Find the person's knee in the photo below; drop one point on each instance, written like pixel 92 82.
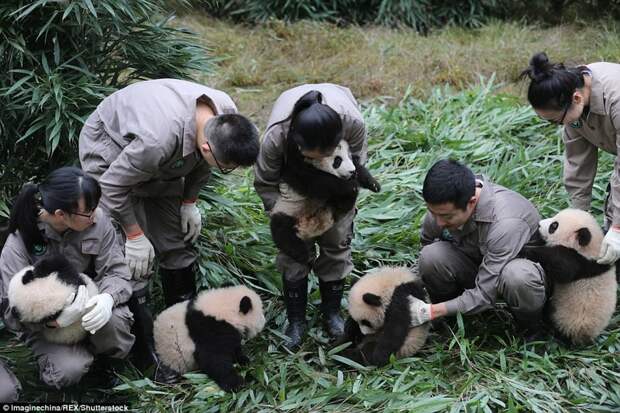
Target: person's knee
pixel 65 372
pixel 115 339
pixel 521 283
pixel 430 264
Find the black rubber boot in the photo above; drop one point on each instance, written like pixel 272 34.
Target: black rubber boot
pixel 178 285
pixel 296 299
pixel 331 295
pixel 143 350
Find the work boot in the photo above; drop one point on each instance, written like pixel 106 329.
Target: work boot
pixel 296 299
pixel 331 295
pixel 178 285
pixel 143 350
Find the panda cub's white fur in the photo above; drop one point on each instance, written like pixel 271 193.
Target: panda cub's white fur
pixel 173 341
pixel 583 308
pixel 43 297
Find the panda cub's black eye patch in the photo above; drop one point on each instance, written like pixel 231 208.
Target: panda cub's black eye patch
pixel 337 162
pixel 553 227
pixel 366 323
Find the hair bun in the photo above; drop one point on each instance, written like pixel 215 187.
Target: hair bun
pixel 310 98
pixel 540 67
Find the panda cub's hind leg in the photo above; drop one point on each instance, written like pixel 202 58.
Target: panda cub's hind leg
pixel 284 235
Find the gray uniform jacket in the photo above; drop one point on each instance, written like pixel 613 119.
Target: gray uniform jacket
pixel 95 251
pixel 149 144
pixel 502 223
pixel 600 128
pixel 271 157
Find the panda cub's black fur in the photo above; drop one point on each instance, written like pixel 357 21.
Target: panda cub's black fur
pixel 323 191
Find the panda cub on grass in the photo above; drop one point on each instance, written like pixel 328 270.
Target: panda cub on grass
pixel 380 319
pixel 318 193
pixel 584 292
pixel 38 293
pixel 206 332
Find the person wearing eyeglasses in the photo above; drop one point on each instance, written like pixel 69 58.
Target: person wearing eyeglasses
pixel 60 216
pixel 151 146
pixel 586 101
pixel 316 117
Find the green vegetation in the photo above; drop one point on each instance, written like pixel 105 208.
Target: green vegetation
pixel 60 58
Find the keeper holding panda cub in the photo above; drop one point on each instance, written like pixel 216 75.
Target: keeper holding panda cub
pixel 308 173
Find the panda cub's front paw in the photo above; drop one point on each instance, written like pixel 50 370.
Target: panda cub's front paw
pixel 232 383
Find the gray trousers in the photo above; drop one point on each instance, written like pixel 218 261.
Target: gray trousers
pixel 334 261
pixel 9 385
pixel 608 206
pixel 62 365
pixel 448 271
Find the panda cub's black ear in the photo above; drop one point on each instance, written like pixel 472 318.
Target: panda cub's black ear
pixel 245 305
pixel 28 276
pixel 584 236
pixel 372 299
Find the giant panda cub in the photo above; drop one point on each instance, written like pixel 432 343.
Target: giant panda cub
pixel 38 293
pixel 206 332
pixel 380 318
pixel 318 193
pixel 584 292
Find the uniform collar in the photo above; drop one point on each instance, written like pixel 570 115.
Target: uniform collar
pixel 597 96
pixel 48 231
pixel 189 129
pixel 485 208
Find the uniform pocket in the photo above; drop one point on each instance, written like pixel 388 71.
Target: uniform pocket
pixel 91 246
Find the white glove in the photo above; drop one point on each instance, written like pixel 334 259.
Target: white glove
pixel 73 307
pixel 610 248
pixel 139 255
pixel 420 311
pixel 191 221
pixel 100 314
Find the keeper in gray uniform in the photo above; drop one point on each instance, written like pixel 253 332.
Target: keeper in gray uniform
pixel 60 216
pixel 151 146
pixel 586 101
pixel 470 238
pixel 316 117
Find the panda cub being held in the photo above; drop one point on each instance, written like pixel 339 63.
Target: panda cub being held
pixel 316 193
pixel 584 292
pixel 38 294
pixel 206 333
pixel 380 318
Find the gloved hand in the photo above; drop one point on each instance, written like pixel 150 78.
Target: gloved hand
pixel 420 311
pixel 139 255
pixel 191 221
pixel 74 307
pixel 610 248
pixel 100 314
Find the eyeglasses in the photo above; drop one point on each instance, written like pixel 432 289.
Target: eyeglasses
pixel 88 215
pixel 224 171
pixel 561 121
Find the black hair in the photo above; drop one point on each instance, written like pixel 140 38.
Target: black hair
pixel 234 137
pixel 449 181
pixel 551 84
pixel 62 189
pixel 314 125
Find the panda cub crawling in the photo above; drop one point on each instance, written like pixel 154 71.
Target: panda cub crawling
pixel 206 332
pixel 584 292
pixel 318 193
pixel 380 319
pixel 38 293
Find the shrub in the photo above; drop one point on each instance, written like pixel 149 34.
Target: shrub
pixel 60 58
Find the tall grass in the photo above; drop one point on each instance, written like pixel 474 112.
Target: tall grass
pixel 479 364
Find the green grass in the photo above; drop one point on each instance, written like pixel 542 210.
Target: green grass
pixel 479 364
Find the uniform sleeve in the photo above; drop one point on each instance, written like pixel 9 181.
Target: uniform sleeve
pixel 430 231
pixel 580 162
pixel 505 240
pixel 137 163
pixel 195 180
pixel 615 179
pixel 357 139
pixel 268 167
pixel 112 273
pixel 14 258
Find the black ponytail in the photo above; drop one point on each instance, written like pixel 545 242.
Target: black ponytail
pixel 62 189
pixel 551 84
